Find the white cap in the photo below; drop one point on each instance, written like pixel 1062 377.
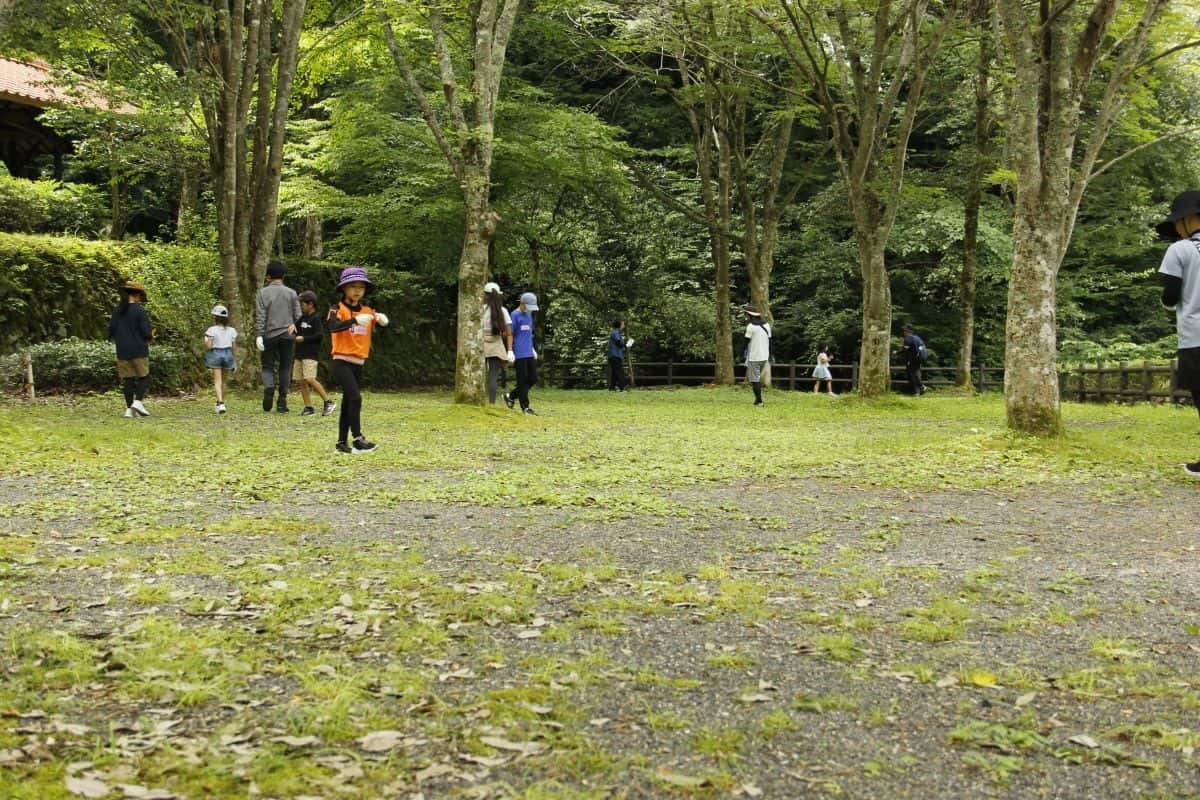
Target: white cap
pixel 220 311
pixel 491 287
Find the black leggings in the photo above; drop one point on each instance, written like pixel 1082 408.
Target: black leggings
pixel 349 376
pixel 134 389
pixel 494 367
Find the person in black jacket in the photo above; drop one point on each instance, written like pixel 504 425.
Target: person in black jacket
pixel 309 332
pixel 130 329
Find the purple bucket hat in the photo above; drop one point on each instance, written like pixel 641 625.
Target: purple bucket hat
pixel 354 275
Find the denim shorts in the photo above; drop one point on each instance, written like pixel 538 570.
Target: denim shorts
pixel 219 358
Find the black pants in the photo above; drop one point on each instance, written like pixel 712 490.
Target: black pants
pixel 134 389
pixel 616 372
pixel 277 356
pixel 349 376
pixel 913 370
pixel 495 366
pixel 526 370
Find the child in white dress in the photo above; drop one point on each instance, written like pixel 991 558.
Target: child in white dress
pixel 821 373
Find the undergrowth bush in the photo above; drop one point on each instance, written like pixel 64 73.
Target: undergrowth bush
pixel 78 365
pixel 50 207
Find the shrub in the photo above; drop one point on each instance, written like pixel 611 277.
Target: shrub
pixel 78 365
pixel 50 207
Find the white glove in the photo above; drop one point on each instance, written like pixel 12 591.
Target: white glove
pixel 363 319
pixel 535 355
pixel 259 344
pixel 381 319
pixel 511 357
pixel 629 342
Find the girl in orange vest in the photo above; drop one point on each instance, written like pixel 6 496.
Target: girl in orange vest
pixel 350 323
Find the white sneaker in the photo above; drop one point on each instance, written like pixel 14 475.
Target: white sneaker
pixel 140 409
pixel 128 413
pixel 220 408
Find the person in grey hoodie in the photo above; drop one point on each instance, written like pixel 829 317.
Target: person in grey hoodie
pixel 277 309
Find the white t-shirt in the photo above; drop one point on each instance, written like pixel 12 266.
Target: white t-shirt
pixel 1182 260
pixel 759 348
pixel 223 336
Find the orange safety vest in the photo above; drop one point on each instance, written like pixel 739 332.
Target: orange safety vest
pixel 354 343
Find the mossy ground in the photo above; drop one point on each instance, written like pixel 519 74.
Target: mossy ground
pixel 657 594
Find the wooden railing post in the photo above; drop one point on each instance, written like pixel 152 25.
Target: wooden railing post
pixel 854 377
pixel 792 376
pixel 1123 380
pixel 670 372
pixel 1147 382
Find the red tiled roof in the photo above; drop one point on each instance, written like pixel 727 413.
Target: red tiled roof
pixel 31 83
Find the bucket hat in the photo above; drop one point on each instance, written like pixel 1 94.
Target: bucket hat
pixel 753 311
pixel 220 311
pixel 529 300
pixel 354 275
pixel 1184 204
pixel 133 286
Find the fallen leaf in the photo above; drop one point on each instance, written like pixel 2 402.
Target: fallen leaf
pixel 750 790
pixel 667 775
pixel 525 748
pixel 381 741
pixel 1083 740
pixel 484 761
pixel 87 787
pixel 982 678
pixel 1025 699
pixel 297 742
pixel 753 697
pixel 433 771
pixel 947 682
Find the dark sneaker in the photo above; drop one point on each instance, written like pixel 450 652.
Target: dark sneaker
pixel 281 408
pixel 361 445
pixel 1192 469
pixel 342 447
pixel 307 412
pixel 529 411
pixel 268 398
pixel 508 400
pixel 328 409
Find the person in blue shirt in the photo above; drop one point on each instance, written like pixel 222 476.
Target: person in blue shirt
pixel 617 344
pixel 911 352
pixel 1179 275
pixel 525 361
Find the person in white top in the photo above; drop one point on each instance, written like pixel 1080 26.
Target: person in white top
pixel 497 337
pixel 758 350
pixel 821 373
pixel 218 356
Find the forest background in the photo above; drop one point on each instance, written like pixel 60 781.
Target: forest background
pixel 661 162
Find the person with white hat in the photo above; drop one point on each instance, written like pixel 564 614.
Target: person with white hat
pixel 758 350
pixel 218 355
pixel 524 354
pixel 497 337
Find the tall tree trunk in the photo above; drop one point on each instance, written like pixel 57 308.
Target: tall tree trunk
pixel 1031 340
pixel 478 231
pixel 875 375
pixel 314 237
pixel 189 193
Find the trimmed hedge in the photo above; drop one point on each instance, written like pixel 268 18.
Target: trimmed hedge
pixel 76 365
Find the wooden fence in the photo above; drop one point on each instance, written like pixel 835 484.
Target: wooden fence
pixel 794 376
pixel 1122 382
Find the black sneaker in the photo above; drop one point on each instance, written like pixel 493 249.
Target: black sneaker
pixel 268 398
pixel 328 408
pixel 508 400
pixel 529 411
pixel 342 447
pixel 361 445
pixel 307 412
pixel 281 408
pixel 1192 469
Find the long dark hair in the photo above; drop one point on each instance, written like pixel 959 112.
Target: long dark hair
pixel 495 307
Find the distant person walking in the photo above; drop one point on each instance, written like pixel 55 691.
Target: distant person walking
pixel 1180 278
pixel 525 363
pixel 309 332
pixel 497 337
pixel 821 373
pixel 130 330
pixel 218 355
pixel 758 350
pixel 913 353
pixel 350 324
pixel 618 344
pixel 277 309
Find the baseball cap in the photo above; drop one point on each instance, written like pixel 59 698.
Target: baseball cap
pixel 220 311
pixel 529 300
pixel 308 296
pixel 491 287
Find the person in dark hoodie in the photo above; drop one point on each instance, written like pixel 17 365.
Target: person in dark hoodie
pixel 277 308
pixel 130 329
pixel 1180 278
pixel 309 332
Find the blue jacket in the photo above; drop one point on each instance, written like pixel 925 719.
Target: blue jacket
pixel 616 344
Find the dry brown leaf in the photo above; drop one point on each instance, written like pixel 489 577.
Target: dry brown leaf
pixel 525 748
pixel 296 742
pixel 1083 740
pixel 381 741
